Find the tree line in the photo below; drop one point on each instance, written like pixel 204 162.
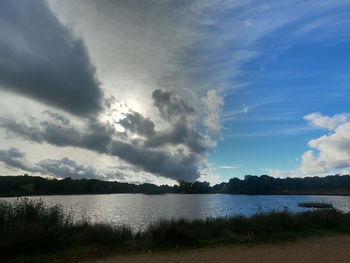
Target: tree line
pixel 34 185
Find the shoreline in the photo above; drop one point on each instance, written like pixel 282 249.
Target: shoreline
pixel 277 194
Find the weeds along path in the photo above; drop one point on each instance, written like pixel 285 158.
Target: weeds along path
pixel 316 250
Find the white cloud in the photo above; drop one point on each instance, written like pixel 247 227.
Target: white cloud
pixel 214 102
pixel 208 174
pixel 280 173
pixel 229 167
pixel 329 154
pixel 329 151
pixel 327 122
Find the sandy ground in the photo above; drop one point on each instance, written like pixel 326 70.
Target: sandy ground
pixel 331 249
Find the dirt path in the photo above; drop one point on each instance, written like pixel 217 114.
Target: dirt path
pixel 330 250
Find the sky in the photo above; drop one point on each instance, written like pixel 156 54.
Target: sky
pixel 156 91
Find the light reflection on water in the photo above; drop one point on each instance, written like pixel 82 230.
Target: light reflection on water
pixel 138 210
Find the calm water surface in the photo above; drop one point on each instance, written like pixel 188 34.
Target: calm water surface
pixel 138 210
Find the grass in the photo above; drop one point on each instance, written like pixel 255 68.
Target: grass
pixel 29 228
pixel 260 227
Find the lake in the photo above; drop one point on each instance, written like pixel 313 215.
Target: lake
pixel 138 210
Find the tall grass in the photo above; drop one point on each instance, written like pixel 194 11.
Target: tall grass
pixel 28 226
pixel 268 226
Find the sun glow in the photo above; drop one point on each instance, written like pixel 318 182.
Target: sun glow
pixel 118 111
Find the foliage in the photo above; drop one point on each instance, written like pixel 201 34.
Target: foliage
pixel 264 184
pixel 34 185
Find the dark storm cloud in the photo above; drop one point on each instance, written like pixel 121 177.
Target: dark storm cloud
pixel 58 117
pixel 136 123
pixel 62 168
pixel 170 106
pixel 14 158
pixel 67 168
pixel 181 130
pixel 181 167
pixel 101 138
pixel 42 59
pixel 95 136
pixel 180 133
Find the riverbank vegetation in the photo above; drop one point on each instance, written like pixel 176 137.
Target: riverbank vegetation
pixel 29 228
pixel 34 185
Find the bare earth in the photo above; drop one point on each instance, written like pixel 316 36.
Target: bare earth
pixel 330 250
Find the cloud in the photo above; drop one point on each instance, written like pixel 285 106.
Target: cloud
pixel 329 151
pixel 229 167
pixel 13 158
pixel 175 152
pixel 327 122
pixel 44 60
pixel 177 167
pixel 94 136
pixel 281 173
pixel 58 117
pixel 62 168
pixel 136 123
pixel 171 107
pixel 67 168
pixel 181 133
pixel 214 102
pixel 188 53
pixel 178 120
pixel 148 45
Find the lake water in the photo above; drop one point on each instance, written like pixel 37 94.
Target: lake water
pixel 138 210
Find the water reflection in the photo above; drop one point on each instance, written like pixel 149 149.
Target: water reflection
pixel 138 211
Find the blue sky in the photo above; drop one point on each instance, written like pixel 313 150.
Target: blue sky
pixel 160 91
pixel 292 77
